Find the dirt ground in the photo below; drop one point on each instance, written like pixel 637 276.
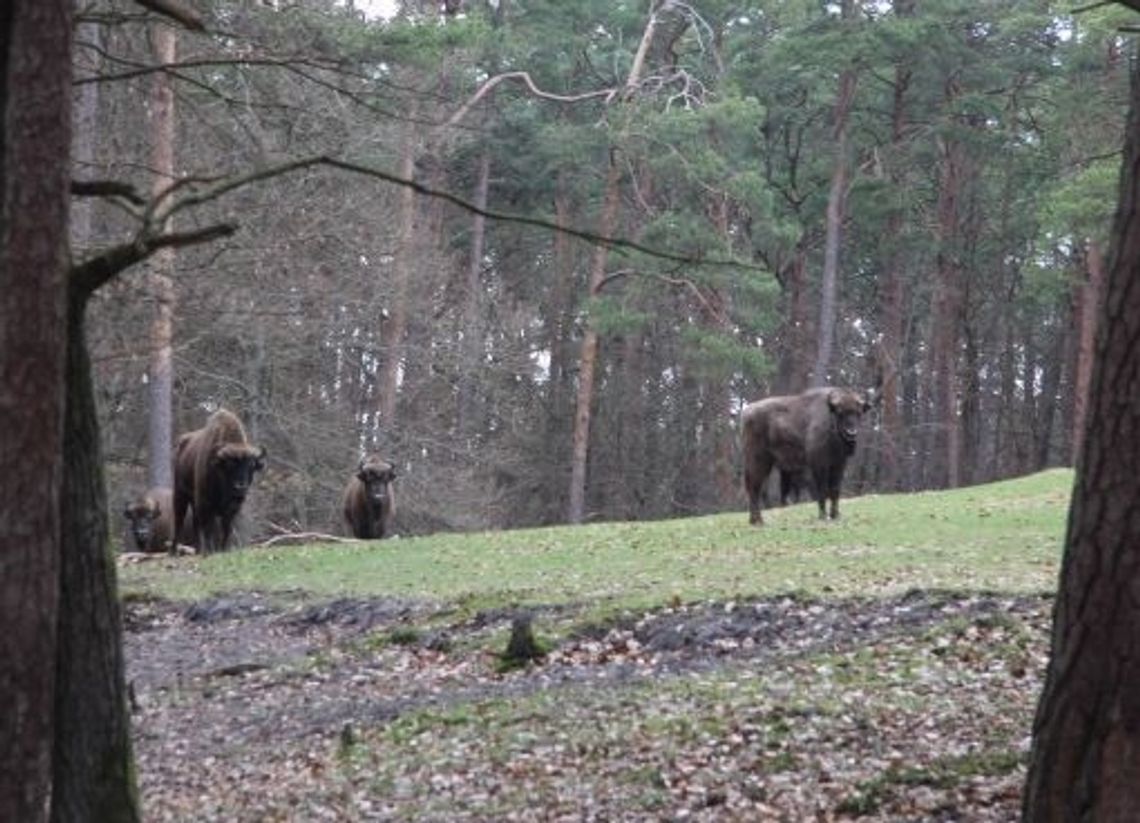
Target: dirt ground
pixel 916 707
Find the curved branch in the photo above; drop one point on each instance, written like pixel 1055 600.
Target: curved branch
pixel 88 276
pixel 222 186
pixel 482 91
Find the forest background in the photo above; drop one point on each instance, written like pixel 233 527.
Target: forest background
pixel 909 195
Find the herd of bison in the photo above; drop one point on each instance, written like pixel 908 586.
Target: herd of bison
pixel 807 437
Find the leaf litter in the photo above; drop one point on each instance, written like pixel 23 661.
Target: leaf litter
pixel 913 707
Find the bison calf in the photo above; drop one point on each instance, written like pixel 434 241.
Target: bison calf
pixel 813 432
pixel 214 469
pixel 151 518
pixel 369 499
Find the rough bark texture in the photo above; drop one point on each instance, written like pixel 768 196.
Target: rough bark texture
pixel 395 324
pixel 161 385
pixel 1088 297
pixel 836 209
pixel 587 364
pixel 945 315
pixel 472 333
pixel 1086 747
pixel 35 96
pixel 588 359
pixel 93 768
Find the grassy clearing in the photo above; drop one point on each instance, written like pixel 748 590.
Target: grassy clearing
pixel 1002 536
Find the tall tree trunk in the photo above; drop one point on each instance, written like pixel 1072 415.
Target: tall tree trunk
pixel 792 372
pixel 836 213
pixel 587 361
pixel 946 311
pixel 472 334
pixel 35 96
pixel 161 376
pixel 395 325
pixel 1088 295
pixel 891 294
pixel 93 768
pixel 1086 735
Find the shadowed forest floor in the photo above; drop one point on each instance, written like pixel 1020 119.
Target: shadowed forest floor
pixel 911 707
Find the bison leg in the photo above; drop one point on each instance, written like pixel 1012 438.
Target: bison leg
pixel 833 490
pixel 754 477
pixel 181 504
pixel 819 480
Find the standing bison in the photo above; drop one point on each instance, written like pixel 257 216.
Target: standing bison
pixel 369 499
pixel 213 470
pixel 151 519
pixel 813 432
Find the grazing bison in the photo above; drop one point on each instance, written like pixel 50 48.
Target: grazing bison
pixel 369 499
pixel 213 470
pixel 813 432
pixel 151 516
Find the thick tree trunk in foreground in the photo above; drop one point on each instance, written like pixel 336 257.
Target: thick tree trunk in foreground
pixel 1086 737
pixel 93 768
pixel 1087 310
pixel 35 96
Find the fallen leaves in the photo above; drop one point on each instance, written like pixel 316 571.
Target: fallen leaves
pixel 910 707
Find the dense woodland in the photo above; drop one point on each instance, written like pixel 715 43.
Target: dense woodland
pixel 913 196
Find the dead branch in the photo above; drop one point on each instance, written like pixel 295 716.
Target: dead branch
pixel 523 76
pixel 175 11
pixel 682 282
pixel 298 538
pixel 88 276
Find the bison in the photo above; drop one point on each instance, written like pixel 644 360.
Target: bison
pixel 369 499
pixel 214 468
pixel 151 518
pixel 813 432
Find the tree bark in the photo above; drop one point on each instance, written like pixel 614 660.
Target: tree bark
pixel 35 96
pixel 945 315
pixel 1086 735
pixel 93 768
pixel 587 362
pixel 472 333
pixel 161 373
pixel 395 325
pixel 1088 294
pixel 891 294
pixel 836 211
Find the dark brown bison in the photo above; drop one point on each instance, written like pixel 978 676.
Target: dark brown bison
pixel 151 518
pixel 813 432
pixel 369 499
pixel 214 468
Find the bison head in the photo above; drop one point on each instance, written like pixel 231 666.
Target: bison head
pixel 234 465
pixel 377 476
pixel 142 514
pixel 847 409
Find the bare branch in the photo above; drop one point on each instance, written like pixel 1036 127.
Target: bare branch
pixel 482 91
pixel 108 189
pixel 175 11
pixel 222 186
pixel 683 282
pixel 88 276
pixel 296 538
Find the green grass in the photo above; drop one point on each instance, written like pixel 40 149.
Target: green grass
pixel 1002 536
